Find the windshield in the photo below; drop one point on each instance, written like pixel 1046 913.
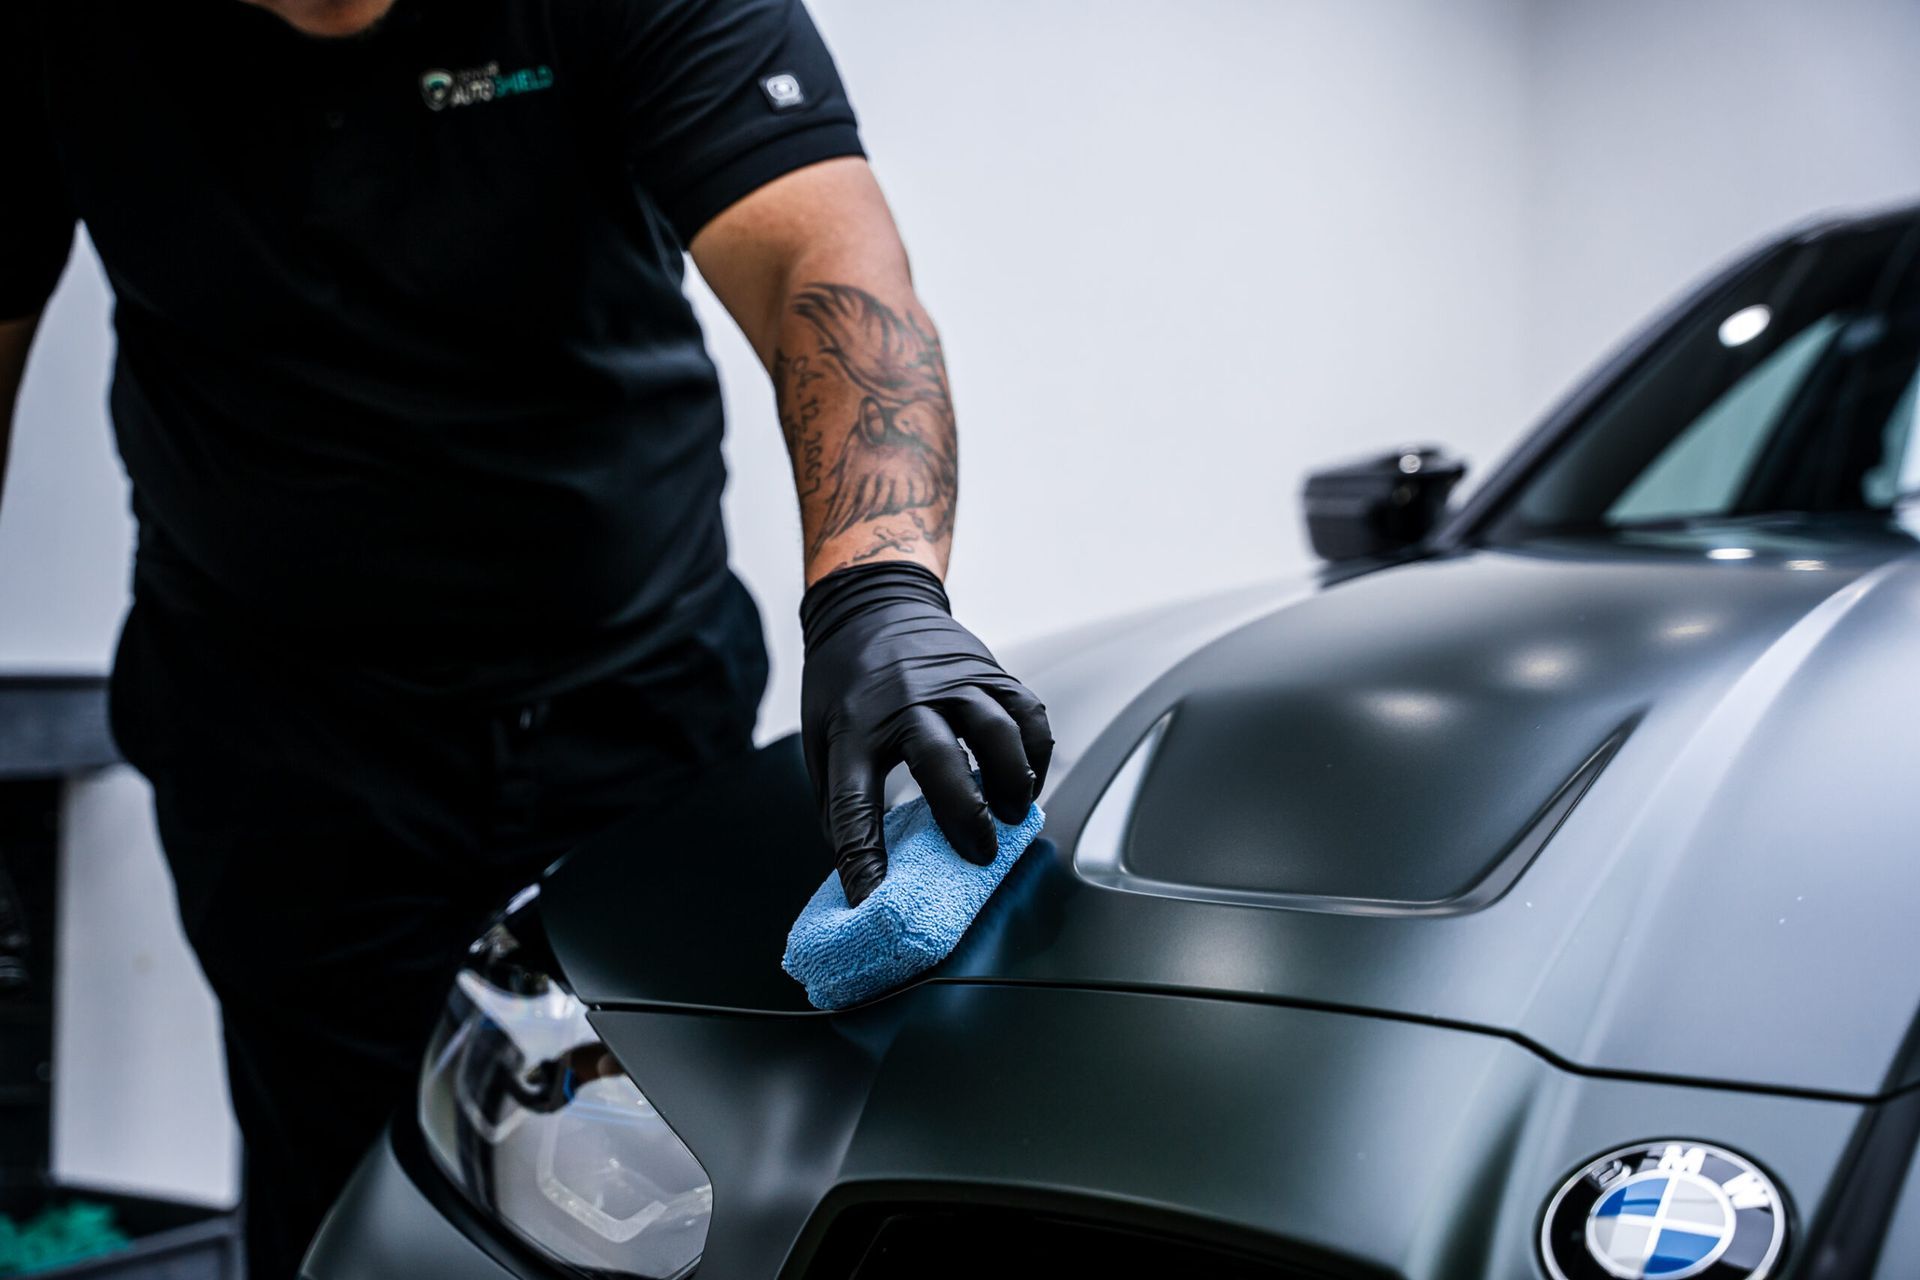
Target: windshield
pixel 1794 391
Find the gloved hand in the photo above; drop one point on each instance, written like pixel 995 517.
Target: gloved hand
pixel 890 676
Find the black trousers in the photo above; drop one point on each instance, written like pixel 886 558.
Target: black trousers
pixel 336 845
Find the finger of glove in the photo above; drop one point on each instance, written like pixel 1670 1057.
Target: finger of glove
pixel 939 765
pixel 1030 715
pixel 854 822
pixel 1005 776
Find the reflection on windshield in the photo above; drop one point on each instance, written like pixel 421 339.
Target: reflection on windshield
pixel 1795 391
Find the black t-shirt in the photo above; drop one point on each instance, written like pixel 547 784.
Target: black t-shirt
pixel 405 371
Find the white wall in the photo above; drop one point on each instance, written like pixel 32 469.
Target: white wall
pixel 65 533
pixel 1665 136
pixel 139 1085
pixel 1179 253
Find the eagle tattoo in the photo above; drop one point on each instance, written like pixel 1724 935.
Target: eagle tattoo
pixel 897 457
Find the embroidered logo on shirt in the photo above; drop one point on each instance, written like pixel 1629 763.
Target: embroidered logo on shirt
pixel 783 91
pixel 443 89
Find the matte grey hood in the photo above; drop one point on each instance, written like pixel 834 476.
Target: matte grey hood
pixel 1638 808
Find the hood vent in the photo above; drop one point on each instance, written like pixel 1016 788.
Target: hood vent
pixel 1108 849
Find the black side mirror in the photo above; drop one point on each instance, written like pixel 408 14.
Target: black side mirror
pixel 1379 505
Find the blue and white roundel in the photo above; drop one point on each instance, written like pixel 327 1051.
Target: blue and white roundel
pixel 1664 1211
pixel 1671 1225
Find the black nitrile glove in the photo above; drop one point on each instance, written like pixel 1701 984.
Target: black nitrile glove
pixel 890 676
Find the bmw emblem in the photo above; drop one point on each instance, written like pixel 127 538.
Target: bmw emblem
pixel 1664 1211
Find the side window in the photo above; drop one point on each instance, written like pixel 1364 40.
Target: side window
pixel 1700 473
pixel 1897 475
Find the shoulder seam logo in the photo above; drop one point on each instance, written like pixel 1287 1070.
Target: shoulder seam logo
pixel 783 91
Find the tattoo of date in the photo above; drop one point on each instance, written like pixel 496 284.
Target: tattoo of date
pixel 799 404
pixel 869 423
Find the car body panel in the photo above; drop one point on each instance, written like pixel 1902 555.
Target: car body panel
pixel 1354 1145
pixel 387 1224
pixel 1671 921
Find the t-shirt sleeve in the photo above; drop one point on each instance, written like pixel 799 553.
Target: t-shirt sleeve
pixel 36 220
pixel 719 97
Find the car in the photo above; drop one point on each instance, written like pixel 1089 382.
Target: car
pixel 1533 890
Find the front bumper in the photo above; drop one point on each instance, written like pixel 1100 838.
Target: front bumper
pixel 390 1222
pixel 1327 1143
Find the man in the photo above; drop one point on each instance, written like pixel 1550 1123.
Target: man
pixel 424 442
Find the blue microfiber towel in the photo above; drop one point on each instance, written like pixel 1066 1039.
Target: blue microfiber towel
pixel 845 955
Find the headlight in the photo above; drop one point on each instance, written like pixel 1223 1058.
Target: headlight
pixel 527 1112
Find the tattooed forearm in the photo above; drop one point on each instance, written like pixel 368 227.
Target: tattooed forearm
pixel 869 423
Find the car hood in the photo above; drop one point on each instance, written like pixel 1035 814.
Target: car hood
pixel 1641 804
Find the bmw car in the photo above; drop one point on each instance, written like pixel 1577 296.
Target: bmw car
pixel 1532 891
